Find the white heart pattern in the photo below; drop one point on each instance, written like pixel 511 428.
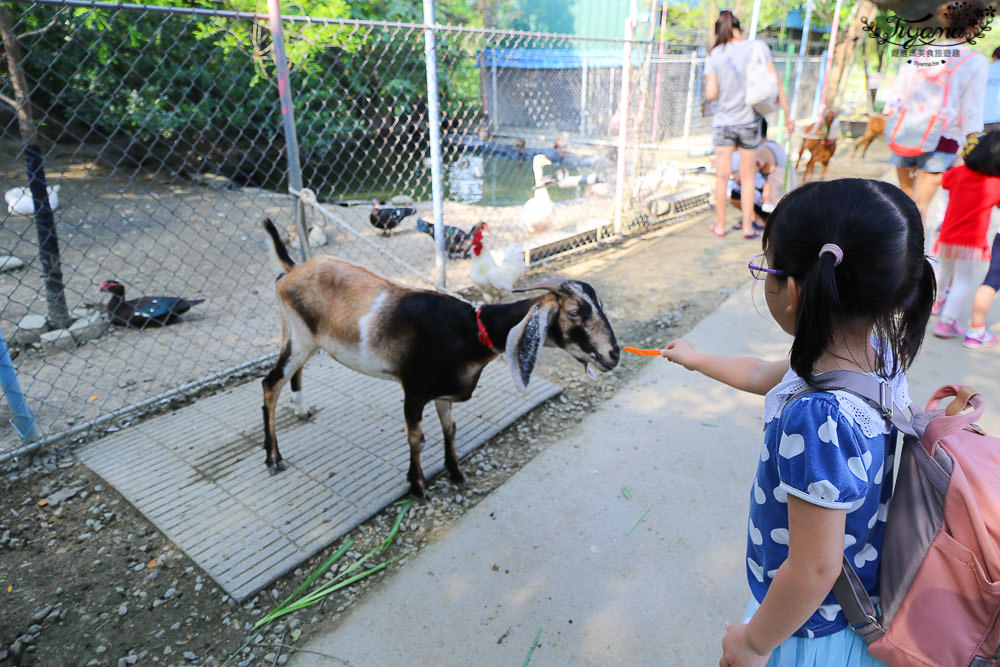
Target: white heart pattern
pixel 780 495
pixel 866 554
pixel 756 570
pixel 827 432
pixel 824 489
pixel 849 540
pixel 829 611
pixel 879 473
pixel 866 458
pixel 791 445
pixel 755 535
pixel 764 454
pixel 857 466
pixel 780 535
pixel 758 493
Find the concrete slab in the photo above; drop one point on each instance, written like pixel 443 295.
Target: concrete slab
pixel 198 473
pixel 551 550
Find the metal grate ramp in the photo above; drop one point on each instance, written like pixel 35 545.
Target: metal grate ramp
pixel 198 473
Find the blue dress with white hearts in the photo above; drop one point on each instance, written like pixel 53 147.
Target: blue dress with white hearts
pixel 833 450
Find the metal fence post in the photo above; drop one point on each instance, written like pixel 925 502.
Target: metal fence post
pixel 689 103
pixel 288 119
pixel 623 127
pixel 583 96
pixel 434 126
pixel 803 47
pixel 495 111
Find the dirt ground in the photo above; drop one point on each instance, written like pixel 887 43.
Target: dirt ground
pixel 86 580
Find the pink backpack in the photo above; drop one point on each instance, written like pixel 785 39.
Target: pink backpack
pixel 917 120
pixel 939 576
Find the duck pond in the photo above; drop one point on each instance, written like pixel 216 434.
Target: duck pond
pixel 495 176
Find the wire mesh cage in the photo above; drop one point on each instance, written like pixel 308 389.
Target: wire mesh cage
pixel 159 137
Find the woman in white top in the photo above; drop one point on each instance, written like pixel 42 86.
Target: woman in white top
pixel 920 175
pixel 735 124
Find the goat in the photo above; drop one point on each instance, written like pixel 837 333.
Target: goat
pixel 816 139
pixel 873 130
pixel 434 345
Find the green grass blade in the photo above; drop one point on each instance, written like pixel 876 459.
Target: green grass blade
pixel 527 658
pixel 636 522
pixel 626 493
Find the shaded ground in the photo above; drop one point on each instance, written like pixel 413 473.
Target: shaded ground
pixel 85 579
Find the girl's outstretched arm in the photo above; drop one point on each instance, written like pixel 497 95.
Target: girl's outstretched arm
pixel 757 376
pixel 802 582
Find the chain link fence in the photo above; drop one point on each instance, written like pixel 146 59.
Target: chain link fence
pixel 159 133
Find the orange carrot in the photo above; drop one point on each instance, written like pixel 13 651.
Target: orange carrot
pixel 642 352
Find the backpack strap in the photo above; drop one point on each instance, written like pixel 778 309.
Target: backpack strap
pixel 861 613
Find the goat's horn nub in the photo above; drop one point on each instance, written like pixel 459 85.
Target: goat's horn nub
pixel 550 284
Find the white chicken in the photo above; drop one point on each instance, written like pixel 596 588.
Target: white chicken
pixel 19 201
pixel 494 279
pixel 537 211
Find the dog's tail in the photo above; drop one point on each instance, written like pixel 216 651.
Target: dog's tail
pixel 279 251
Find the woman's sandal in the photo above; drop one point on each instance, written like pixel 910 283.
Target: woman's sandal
pixel 749 237
pixel 711 228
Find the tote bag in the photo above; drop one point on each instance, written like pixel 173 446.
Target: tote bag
pixel 762 87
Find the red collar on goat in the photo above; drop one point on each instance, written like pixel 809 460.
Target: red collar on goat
pixel 484 335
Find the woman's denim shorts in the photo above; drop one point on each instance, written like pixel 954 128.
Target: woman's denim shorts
pixel 742 136
pixel 934 162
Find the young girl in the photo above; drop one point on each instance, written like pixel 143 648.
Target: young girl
pixel 963 246
pixel 851 284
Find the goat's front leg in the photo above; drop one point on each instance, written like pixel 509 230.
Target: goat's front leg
pixel 444 410
pixel 413 412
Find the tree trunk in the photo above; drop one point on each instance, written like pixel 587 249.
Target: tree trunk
pixel 845 51
pixel 45 227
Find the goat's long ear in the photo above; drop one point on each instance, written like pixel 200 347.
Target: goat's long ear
pixel 524 344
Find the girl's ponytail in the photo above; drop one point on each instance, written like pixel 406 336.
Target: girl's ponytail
pixel 820 300
pixel 724 27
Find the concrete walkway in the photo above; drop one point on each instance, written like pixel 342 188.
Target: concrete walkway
pixel 550 553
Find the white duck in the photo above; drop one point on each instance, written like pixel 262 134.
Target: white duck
pixel 538 210
pixel 19 200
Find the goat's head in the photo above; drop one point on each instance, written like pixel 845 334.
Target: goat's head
pixel 570 316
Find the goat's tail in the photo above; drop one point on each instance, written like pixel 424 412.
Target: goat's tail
pixel 277 245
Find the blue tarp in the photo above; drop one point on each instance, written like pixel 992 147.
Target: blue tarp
pixel 554 58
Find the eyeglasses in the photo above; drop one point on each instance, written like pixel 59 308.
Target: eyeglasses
pixel 760 272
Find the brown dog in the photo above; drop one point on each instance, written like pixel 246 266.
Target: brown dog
pixel 816 139
pixel 873 130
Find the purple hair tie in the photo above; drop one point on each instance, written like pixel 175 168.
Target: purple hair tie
pixel 833 249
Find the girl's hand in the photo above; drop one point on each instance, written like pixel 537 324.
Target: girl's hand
pixel 790 126
pixel 736 650
pixel 680 352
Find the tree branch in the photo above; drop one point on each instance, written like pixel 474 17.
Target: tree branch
pixel 41 30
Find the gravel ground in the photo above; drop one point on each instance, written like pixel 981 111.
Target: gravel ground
pixel 86 580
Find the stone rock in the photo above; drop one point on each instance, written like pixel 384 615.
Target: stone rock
pixel 30 329
pixel 10 263
pixel 401 200
pixel 60 339
pixel 89 328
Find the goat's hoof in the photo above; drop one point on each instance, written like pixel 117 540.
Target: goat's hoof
pixel 419 491
pixel 459 479
pixel 305 415
pixel 275 467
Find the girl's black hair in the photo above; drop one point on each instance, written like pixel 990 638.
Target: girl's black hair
pixel 724 26
pixel 884 276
